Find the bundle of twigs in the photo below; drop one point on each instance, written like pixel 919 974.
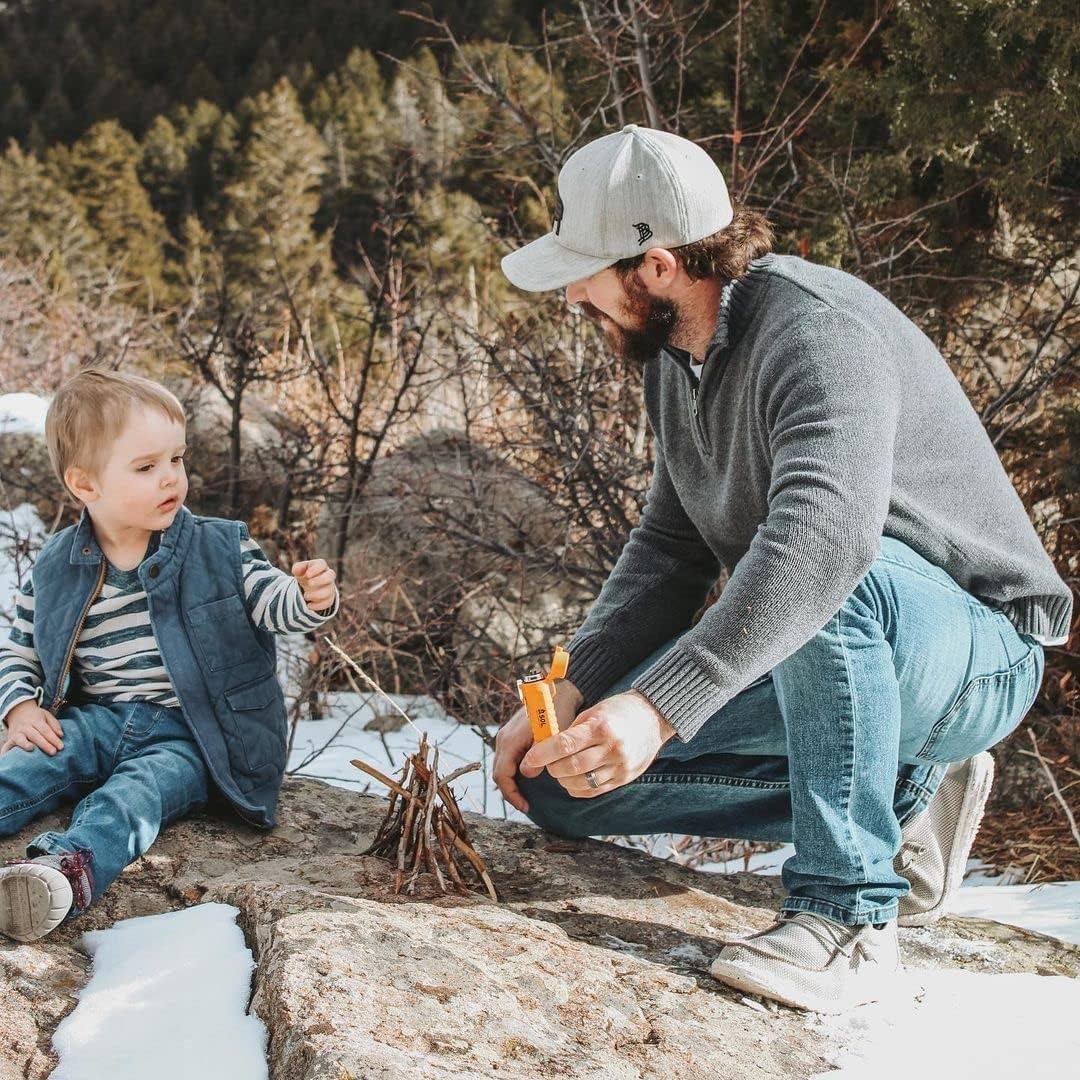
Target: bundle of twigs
pixel 423 828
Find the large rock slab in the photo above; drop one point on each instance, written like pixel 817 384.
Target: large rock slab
pixel 593 964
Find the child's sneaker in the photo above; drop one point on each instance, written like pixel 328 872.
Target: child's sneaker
pixel 37 894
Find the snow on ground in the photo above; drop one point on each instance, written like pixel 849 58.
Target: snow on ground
pixel 22 413
pixel 20 530
pixel 961 1025
pixel 368 727
pixel 1052 908
pixel 167 997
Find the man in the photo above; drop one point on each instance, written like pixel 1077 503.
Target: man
pixel 887 601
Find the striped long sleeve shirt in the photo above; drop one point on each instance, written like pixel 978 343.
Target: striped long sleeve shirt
pixel 117 657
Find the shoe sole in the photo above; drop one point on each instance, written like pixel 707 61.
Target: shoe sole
pixel 976 792
pixel 33 901
pixel 740 979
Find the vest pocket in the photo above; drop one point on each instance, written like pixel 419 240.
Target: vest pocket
pixel 223 633
pixel 253 723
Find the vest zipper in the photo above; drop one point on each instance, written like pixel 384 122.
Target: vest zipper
pixel 59 700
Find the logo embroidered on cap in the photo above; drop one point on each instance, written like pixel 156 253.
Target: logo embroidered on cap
pixel 644 232
pixel 559 211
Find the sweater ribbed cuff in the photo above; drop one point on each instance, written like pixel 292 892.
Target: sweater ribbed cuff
pixel 685 696
pixel 593 668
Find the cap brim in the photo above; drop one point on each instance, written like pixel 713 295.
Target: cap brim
pixel 545 264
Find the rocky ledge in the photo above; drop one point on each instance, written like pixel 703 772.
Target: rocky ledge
pixel 593 964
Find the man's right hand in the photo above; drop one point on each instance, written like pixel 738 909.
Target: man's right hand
pixel 29 726
pixel 514 738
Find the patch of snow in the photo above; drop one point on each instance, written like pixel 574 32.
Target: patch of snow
pixel 692 954
pixel 960 1024
pixel 168 998
pixel 979 873
pixel 365 726
pixel 22 413
pixel 20 529
pixel 768 863
pixel 1052 908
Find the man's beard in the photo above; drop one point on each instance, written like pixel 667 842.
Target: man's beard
pixel 655 321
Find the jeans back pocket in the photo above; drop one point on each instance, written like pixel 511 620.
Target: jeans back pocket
pixel 989 708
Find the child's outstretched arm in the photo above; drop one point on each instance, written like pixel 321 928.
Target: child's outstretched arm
pixel 21 674
pixel 282 603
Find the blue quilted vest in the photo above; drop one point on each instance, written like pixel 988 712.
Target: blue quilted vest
pixel 221 665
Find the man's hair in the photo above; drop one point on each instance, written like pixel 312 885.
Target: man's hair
pixel 726 255
pixel 90 410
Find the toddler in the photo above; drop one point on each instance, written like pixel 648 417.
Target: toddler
pixel 139 673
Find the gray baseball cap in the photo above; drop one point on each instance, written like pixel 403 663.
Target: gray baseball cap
pixel 619 196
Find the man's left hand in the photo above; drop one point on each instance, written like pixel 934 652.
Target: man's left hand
pixel 616 740
pixel 316 583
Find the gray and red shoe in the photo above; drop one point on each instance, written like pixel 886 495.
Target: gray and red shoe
pixel 37 894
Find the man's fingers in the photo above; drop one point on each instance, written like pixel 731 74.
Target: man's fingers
pixel 574 739
pixel 580 788
pixel 503 773
pixel 580 763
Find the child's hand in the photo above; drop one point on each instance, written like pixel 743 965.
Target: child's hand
pixel 29 725
pixel 316 583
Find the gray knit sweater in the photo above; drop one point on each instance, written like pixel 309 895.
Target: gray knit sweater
pixel 824 418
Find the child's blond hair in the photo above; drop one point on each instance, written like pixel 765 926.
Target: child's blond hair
pixel 90 410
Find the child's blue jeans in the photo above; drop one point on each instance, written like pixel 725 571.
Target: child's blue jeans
pixel 838 745
pixel 132 768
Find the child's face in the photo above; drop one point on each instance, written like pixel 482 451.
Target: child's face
pixel 142 484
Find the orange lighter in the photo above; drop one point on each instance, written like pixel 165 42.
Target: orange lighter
pixel 537 693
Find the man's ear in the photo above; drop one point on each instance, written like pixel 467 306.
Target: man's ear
pixel 660 268
pixel 81 484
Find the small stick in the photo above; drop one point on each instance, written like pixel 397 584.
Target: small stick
pixel 372 683
pixel 1054 787
pixel 448 855
pixel 478 864
pixel 363 766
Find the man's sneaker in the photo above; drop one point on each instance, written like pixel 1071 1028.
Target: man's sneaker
pixel 935 845
pixel 37 894
pixel 813 963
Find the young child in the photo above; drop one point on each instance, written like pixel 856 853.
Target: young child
pixel 139 674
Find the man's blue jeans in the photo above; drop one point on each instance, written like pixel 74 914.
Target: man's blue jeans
pixel 131 767
pixel 837 746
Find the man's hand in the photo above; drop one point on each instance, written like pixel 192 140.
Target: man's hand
pixel 29 725
pixel 617 740
pixel 316 583
pixel 514 738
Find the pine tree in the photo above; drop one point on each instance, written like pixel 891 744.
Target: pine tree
pixel 101 173
pixel 43 224
pixel 349 109
pixel 163 170
pixel 268 230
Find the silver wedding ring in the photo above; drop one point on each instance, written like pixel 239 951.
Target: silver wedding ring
pixel 591 777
